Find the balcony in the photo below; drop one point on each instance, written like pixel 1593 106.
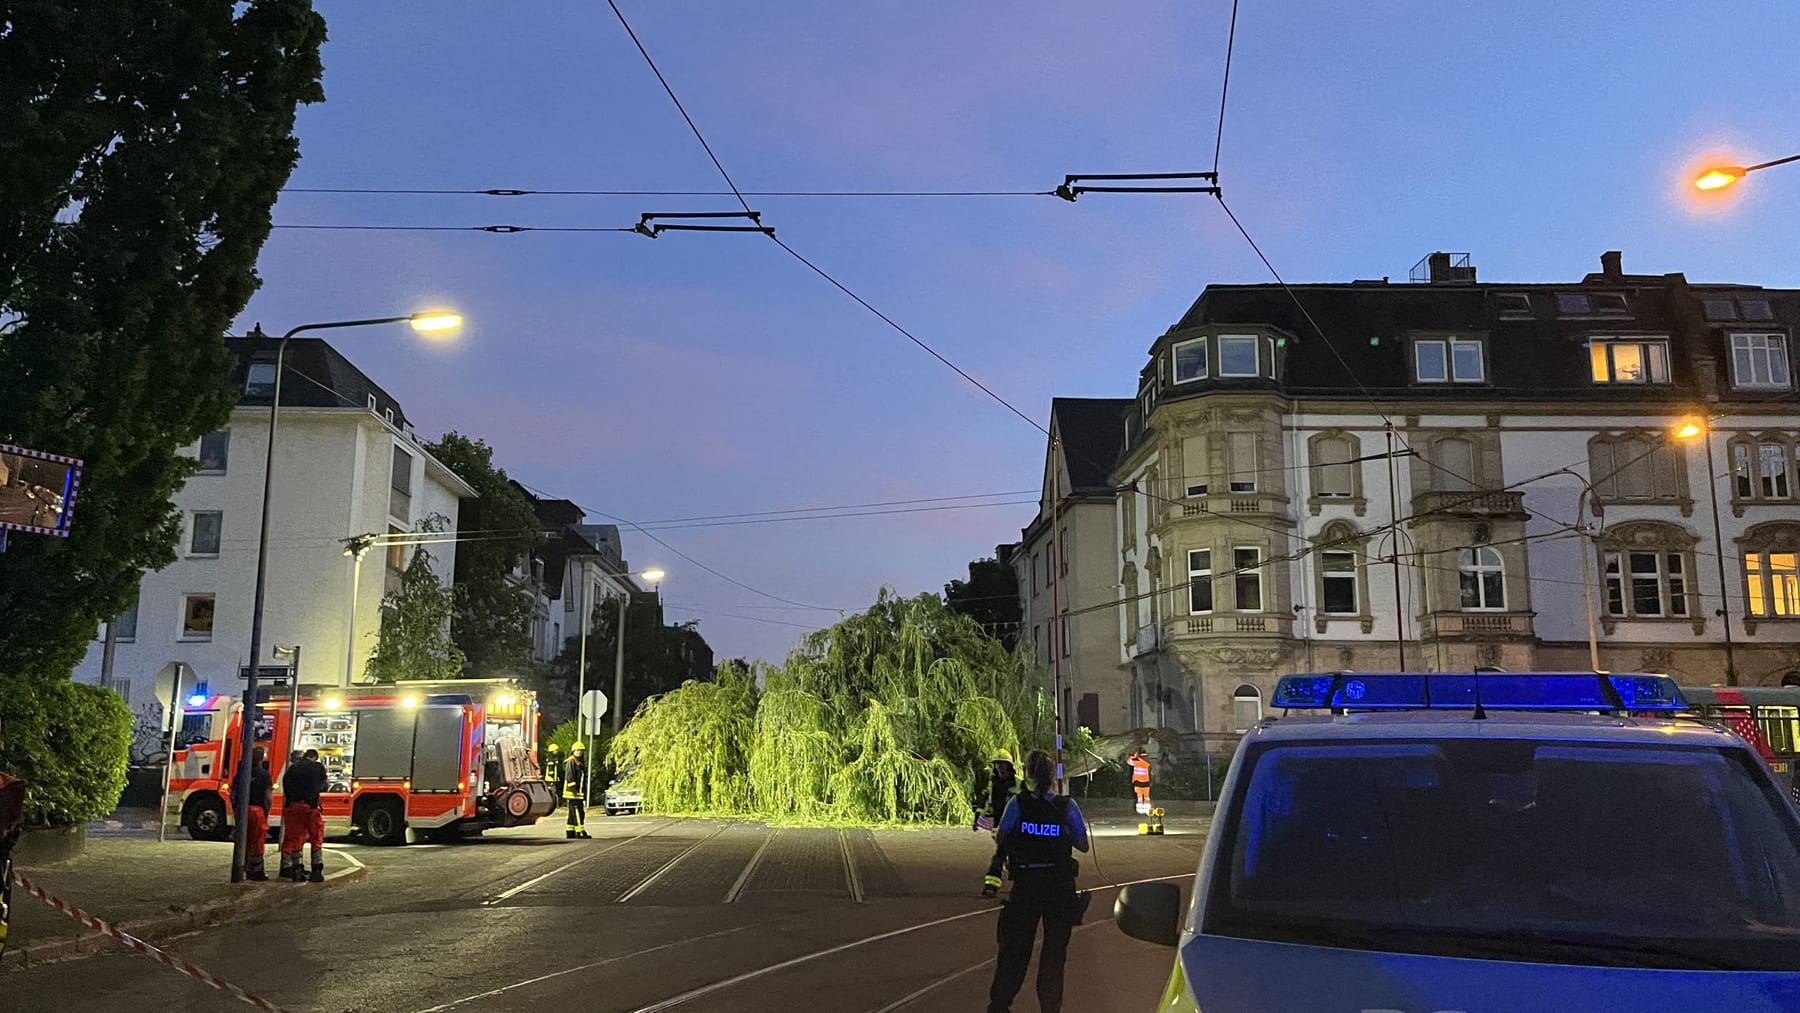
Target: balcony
pixel 1470 503
pixel 1478 624
pixel 1228 625
pixel 1174 502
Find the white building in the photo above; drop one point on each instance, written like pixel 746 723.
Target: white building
pixel 578 569
pixel 346 464
pixel 1257 528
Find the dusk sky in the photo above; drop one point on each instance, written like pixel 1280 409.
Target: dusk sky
pixel 712 374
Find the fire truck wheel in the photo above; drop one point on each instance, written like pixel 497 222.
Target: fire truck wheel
pixel 384 822
pixel 205 819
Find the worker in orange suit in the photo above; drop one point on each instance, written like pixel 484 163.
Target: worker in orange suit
pixel 1140 780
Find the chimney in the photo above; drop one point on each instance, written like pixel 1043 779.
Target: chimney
pixel 1438 268
pixel 1610 264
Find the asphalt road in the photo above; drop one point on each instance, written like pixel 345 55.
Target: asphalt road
pixel 654 914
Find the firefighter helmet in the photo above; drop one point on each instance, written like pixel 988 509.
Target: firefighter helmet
pixel 1002 756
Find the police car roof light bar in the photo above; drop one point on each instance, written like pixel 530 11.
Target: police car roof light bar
pixel 1541 691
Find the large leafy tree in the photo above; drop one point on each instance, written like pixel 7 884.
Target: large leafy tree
pixel 492 620
pixel 414 642
pixel 990 597
pixel 142 144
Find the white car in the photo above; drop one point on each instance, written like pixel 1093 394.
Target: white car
pixel 1537 843
pixel 621 800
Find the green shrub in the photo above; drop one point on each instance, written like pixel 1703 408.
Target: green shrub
pixel 70 743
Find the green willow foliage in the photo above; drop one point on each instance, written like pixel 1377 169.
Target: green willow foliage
pixel 883 718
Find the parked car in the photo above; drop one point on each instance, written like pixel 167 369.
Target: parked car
pixel 622 799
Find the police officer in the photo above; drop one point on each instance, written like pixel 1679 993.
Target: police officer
pixel 1039 831
pixel 1002 785
pixel 553 774
pixel 574 791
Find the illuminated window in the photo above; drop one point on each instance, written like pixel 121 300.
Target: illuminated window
pixel 1772 580
pixel 1615 360
pixel 197 617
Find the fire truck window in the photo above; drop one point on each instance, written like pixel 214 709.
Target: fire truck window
pixel 195 729
pixel 265 725
pixel 334 736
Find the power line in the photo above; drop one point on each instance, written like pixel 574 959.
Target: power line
pixel 846 506
pixel 495 229
pixel 1225 87
pixel 845 515
pixel 509 192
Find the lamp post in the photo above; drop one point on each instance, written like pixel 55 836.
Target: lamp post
pixel 1697 429
pixel 617 704
pixel 1721 176
pixel 240 796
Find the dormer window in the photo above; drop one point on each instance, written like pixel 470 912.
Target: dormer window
pixel 1719 309
pixel 1190 360
pixel 1513 305
pixel 1446 360
pixel 1591 304
pixel 1240 355
pixel 1609 304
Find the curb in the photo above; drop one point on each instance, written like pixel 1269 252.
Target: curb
pixel 247 900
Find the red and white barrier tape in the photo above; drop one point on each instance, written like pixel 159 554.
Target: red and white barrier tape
pixel 162 956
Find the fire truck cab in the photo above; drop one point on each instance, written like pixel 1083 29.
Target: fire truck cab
pixel 449 758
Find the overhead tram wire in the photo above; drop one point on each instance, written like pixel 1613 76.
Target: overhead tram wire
pixel 1225 87
pixel 508 192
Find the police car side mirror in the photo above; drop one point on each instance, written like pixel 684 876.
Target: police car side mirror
pixel 1151 912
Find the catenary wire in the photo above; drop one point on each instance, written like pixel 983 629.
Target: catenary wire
pixel 510 192
pixel 1225 87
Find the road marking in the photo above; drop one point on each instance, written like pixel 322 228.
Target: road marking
pixel 670 864
pixel 850 876
pixel 910 997
pixel 528 884
pixel 737 888
pixel 705 990
pixel 582 967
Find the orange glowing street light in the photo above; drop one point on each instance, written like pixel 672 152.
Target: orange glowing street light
pixel 1721 176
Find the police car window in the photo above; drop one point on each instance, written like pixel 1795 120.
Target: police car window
pixel 1558 852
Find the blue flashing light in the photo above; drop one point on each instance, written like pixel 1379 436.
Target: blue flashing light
pixel 1547 691
pixel 197 700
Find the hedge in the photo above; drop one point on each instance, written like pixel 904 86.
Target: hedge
pixel 70 743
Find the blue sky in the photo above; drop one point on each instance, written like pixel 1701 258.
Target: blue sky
pixel 711 374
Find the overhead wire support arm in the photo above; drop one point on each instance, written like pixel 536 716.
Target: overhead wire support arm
pixel 1072 188
pixel 649 226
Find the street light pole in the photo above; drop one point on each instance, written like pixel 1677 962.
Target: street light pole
pixel 1712 487
pixel 1722 176
pixel 655 577
pixel 240 794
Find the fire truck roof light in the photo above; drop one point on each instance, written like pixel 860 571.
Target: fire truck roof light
pixel 333 703
pixel 1567 691
pixel 197 700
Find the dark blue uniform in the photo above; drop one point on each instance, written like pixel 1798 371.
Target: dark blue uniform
pixel 1039 832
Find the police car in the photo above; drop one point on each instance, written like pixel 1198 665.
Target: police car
pixel 1484 843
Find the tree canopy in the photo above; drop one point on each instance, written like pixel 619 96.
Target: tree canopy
pixel 414 640
pixel 659 657
pixel 491 621
pixel 142 144
pixel 883 718
pixel 990 597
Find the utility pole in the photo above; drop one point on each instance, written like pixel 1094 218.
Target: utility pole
pixel 1056 641
pixel 106 653
pixel 1394 536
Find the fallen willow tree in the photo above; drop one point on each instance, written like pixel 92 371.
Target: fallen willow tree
pixel 883 718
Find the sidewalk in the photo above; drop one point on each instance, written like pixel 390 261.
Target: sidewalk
pixel 149 889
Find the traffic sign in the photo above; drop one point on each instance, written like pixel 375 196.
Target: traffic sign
pixel 267 673
pixel 593 708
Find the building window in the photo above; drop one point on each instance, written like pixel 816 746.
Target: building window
pixel 1062 626
pixel 400 494
pixel 1773 582
pixel 1128 594
pixel 207 528
pixel 396 561
pixel 1762 470
pixel 1062 553
pixel 1128 514
pixel 259 380
pixel 1609 304
pixel 1190 360
pixel 1446 360
pixel 197 617
pixel 1240 355
pixel 1756 309
pixel 1200 588
pixel 1333 467
pixel 1638 468
pixel 1339 597
pixel 1452 464
pixel 1482 578
pixel 1245 461
pixel 1513 304
pixel 1037 573
pixel 215 452
pixel 1591 304
pixel 1247 579
pixel 1246 707
pixel 1620 361
pixel 1649 584
pixel 1573 304
pixel 1720 309
pixel 1759 360
pixel 125 624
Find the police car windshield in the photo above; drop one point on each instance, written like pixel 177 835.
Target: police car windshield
pixel 1557 852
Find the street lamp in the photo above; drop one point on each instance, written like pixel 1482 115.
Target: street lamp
pixel 1696 428
pixel 425 323
pixel 653 575
pixel 1721 176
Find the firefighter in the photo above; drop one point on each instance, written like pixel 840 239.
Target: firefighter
pixel 1040 831
pixel 256 820
pixel 1140 780
pixel 301 820
pixel 574 776
pixel 553 774
pixel 1002 785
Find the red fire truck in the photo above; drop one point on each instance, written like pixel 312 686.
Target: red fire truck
pixel 442 758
